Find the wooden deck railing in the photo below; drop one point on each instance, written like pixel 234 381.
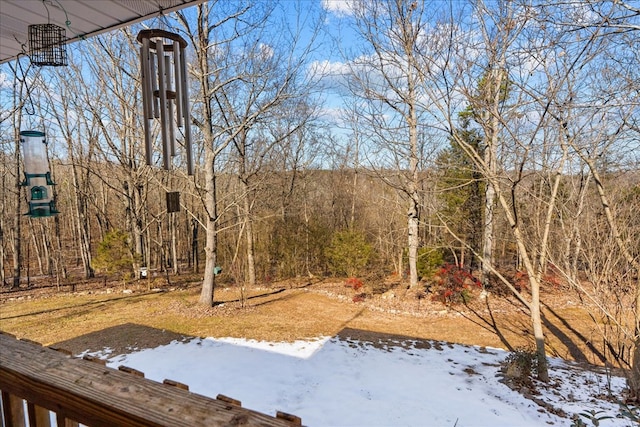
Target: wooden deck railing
pixel 45 380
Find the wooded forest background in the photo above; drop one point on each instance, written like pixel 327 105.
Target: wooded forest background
pixel 502 137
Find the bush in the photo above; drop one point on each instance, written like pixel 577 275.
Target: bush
pixel 428 262
pixel 294 248
pixel 349 253
pixel 113 254
pixel 521 366
pixel 359 297
pixel 354 283
pixel 453 284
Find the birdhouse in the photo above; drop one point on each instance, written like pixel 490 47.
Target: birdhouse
pixel 37 176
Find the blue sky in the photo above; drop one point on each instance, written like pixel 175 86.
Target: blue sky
pixel 328 57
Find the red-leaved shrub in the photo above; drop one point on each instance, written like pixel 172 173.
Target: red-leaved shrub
pixel 453 284
pixel 354 283
pixel 358 298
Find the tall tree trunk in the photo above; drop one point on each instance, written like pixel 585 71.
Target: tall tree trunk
pixel 414 157
pixel 534 284
pixel 3 254
pixel 173 229
pixel 251 262
pixel 61 268
pixel 487 226
pixel 551 205
pixel 17 234
pixel 412 227
pixel 245 214
pixel 82 224
pixel 211 235
pixel 491 118
pixel 475 217
pixel 41 250
pixel 354 184
pixel 194 245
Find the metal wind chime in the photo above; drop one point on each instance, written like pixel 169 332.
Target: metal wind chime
pixel 165 96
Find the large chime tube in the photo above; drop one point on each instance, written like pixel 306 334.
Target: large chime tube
pixel 185 111
pixel 170 105
pixel 162 92
pixel 177 72
pixel 147 79
pixel 154 83
pixel 147 98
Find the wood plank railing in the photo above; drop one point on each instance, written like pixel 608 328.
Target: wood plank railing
pixel 45 380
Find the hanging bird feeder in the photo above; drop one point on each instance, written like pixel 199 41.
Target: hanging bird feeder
pixel 47 45
pixel 37 175
pixel 165 93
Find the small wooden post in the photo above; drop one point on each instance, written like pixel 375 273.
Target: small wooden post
pixel 293 419
pixel 173 383
pixel 63 421
pixel 38 416
pixel 228 399
pixel 95 360
pixel 13 410
pixel 132 371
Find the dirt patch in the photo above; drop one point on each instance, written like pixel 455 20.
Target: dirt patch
pixel 121 339
pixel 383 341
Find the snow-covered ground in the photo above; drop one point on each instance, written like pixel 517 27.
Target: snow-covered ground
pixel 333 382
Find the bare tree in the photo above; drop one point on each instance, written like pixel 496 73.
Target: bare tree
pixel 518 82
pixel 80 134
pixel 605 104
pixel 215 25
pixel 114 112
pixel 385 76
pixel 21 101
pixel 245 90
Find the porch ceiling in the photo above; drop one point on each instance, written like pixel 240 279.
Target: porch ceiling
pixel 80 18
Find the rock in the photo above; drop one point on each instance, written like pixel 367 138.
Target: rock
pixel 388 295
pixel 514 371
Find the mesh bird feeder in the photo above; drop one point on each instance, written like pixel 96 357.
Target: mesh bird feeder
pixel 47 45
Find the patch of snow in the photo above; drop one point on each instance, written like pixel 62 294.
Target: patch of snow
pixel 330 381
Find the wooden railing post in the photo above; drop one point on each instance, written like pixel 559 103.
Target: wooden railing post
pixel 13 410
pixel 38 416
pixel 63 421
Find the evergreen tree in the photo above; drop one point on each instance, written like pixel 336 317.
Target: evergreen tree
pixel 461 191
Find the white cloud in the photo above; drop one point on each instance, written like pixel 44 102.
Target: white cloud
pixel 266 51
pixel 328 68
pixel 339 7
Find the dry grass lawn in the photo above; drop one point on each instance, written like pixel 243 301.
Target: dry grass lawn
pixel 287 313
